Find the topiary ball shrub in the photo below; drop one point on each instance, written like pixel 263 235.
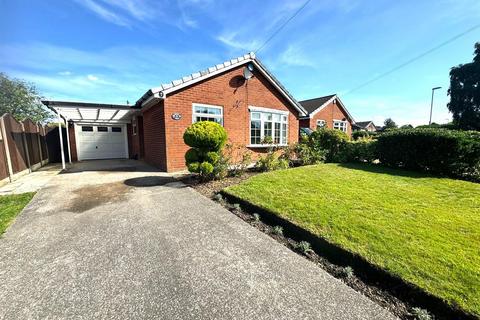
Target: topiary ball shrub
pixel 205 135
pixel 206 140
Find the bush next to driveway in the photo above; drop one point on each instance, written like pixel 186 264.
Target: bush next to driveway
pixel 206 139
pixel 10 206
pixel 421 228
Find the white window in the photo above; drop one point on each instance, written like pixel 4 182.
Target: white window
pixel 205 112
pixel 321 124
pixel 340 125
pixel 268 124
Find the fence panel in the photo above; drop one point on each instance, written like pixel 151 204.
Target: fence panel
pixel 3 159
pixel 18 152
pixel 31 136
pixel 24 143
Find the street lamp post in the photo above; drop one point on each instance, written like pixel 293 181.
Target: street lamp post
pixel 431 104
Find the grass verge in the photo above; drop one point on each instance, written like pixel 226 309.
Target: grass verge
pixel 423 229
pixel 11 206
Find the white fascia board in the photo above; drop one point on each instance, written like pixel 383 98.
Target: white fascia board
pixel 262 109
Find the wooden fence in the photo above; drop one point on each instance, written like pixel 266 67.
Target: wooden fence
pixel 23 147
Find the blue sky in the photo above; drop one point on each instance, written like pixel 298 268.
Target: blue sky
pixel 114 50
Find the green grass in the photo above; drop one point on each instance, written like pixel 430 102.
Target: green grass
pixel 422 228
pixel 10 206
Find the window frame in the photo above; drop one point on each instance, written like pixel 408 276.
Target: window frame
pixel 207 115
pixel 324 123
pixel 341 121
pixel 284 115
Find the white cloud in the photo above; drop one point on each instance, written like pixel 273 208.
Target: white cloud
pixel 294 55
pixel 105 13
pixel 232 39
pixel 91 77
pixel 65 73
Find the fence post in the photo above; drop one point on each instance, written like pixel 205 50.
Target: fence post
pixel 39 145
pixel 6 148
pixel 25 147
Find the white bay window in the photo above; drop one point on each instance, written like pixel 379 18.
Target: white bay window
pixel 268 125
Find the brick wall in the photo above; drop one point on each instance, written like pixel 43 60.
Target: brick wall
pixel 154 136
pixel 164 146
pixel 331 112
pixel 135 139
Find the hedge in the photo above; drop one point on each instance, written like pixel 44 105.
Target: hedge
pixel 440 151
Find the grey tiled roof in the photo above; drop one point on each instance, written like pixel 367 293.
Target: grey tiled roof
pixel 313 104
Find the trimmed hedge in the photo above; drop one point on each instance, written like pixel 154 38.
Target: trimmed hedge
pixel 440 151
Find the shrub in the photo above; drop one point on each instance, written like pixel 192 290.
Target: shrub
pixel 347 272
pixel 278 230
pixel 360 151
pixel 272 161
pixel 330 140
pixel 305 153
pixel 205 135
pixel 359 135
pixel 206 140
pixel 205 168
pixel 304 247
pixel 421 314
pixel 238 158
pixel 441 151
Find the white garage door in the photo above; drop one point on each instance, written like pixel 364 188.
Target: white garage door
pixel 101 142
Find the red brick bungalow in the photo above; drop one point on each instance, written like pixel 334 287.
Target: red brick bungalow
pixel 241 94
pixel 327 111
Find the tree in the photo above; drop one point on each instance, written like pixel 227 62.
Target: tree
pixel 389 124
pixel 406 126
pixel 21 100
pixel 465 93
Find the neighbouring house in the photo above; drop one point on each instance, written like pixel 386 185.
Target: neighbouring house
pixel 241 94
pixel 328 112
pixel 365 126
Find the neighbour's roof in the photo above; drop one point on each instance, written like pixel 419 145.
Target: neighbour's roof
pixel 163 90
pixel 313 104
pixel 363 124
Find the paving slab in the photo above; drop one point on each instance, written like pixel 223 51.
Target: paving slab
pixel 33 181
pixel 136 244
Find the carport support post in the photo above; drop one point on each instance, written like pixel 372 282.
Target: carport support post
pixel 61 139
pixel 68 142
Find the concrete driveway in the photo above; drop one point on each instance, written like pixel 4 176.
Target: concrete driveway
pixel 118 240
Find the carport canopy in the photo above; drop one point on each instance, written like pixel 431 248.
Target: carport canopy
pixel 87 113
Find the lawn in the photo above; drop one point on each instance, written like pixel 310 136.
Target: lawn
pixel 10 206
pixel 424 229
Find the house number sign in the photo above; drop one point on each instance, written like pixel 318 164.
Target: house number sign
pixel 176 116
